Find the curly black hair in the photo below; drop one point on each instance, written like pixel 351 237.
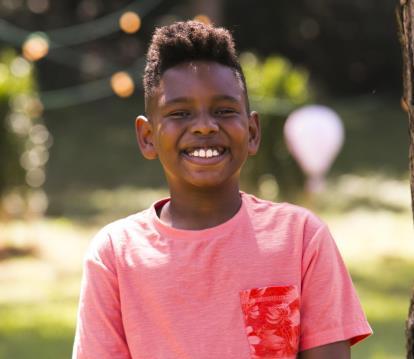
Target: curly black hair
pixel 185 42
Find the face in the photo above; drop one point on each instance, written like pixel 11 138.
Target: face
pixel 198 126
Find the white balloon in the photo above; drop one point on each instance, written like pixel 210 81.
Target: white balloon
pixel 314 135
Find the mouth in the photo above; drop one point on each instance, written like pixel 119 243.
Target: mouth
pixel 205 154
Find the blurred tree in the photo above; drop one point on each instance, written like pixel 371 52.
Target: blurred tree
pixel 275 88
pixel 405 18
pixel 348 46
pixel 23 138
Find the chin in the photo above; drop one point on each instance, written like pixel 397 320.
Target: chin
pixel 219 182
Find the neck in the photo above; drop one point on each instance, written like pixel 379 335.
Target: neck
pixel 197 210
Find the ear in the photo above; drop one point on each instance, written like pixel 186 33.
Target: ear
pixel 254 133
pixel 144 133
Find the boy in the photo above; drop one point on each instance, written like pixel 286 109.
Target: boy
pixel 211 272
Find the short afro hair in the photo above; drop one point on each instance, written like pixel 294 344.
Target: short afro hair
pixel 188 41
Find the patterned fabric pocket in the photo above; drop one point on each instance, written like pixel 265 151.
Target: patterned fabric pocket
pixel 272 317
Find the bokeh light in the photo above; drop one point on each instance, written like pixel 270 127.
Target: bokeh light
pixel 203 18
pixel 36 47
pixel 130 22
pixel 88 9
pixel 122 84
pixel 37 202
pixel 19 123
pixel 13 204
pixel 20 67
pixel 35 177
pixel 39 134
pixel 38 6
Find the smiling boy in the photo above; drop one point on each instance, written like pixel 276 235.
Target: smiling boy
pixel 211 272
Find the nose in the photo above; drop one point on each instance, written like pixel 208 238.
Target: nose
pixel 204 124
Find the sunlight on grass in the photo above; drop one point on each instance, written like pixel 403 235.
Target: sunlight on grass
pixel 42 330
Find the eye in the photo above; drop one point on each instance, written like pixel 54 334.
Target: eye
pixel 179 114
pixel 225 112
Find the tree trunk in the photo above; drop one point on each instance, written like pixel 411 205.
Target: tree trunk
pixel 405 19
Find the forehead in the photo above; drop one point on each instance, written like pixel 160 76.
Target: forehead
pixel 198 80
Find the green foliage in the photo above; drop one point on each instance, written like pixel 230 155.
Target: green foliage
pixel 16 76
pixel 275 88
pixel 275 77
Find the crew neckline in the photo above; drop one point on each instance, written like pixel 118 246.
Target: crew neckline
pixel 207 233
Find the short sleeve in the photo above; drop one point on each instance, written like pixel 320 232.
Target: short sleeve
pixel 99 330
pixel 330 308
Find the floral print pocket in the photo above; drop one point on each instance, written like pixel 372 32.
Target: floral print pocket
pixel 272 316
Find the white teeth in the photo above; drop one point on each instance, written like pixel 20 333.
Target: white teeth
pixel 205 153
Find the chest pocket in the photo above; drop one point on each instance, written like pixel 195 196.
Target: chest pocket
pixel 272 321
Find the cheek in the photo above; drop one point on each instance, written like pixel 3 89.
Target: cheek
pixel 166 136
pixel 240 132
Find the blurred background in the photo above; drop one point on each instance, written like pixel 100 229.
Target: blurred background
pixel 70 89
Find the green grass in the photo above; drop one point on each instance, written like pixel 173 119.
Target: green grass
pixel 384 288
pixel 37 330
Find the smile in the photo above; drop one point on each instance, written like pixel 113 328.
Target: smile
pixel 205 152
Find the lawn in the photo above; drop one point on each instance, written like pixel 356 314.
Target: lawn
pixel 39 290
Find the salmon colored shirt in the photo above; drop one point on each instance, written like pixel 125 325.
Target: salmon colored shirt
pixel 267 283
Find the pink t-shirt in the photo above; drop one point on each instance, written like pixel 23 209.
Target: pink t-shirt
pixel 267 283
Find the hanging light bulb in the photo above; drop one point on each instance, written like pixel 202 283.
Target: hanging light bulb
pixel 203 18
pixel 122 84
pixel 36 46
pixel 130 22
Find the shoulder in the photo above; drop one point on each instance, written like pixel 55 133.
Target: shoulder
pixel 114 236
pixel 283 216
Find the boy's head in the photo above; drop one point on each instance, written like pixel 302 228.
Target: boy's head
pixel 186 42
pixel 199 125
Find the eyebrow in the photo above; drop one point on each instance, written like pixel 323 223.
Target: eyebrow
pixel 178 100
pixel 189 99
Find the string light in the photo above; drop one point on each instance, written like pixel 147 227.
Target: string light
pixel 35 47
pixel 81 33
pixel 203 19
pixel 130 22
pixel 122 84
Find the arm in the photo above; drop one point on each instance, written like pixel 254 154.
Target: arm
pixel 338 350
pixel 100 332
pixel 330 309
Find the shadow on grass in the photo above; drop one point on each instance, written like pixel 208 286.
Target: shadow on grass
pixel 11 251
pixel 35 342
pixel 387 342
